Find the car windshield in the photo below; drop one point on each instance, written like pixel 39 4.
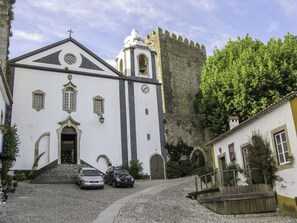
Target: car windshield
pixel 90 173
pixel 121 171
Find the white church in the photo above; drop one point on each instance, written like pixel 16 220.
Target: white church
pixel 72 107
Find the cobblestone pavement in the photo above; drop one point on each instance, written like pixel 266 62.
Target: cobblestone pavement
pixel 149 201
pixel 171 205
pixel 62 203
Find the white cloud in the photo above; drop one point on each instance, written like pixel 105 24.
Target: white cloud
pixel 27 36
pixel 289 6
pixel 203 5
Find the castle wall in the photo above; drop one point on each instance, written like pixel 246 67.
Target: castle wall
pixel 4 31
pixel 179 66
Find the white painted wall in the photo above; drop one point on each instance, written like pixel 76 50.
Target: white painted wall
pixel 279 117
pixel 96 138
pixel 146 124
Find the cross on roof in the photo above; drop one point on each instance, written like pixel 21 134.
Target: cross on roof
pixel 70 31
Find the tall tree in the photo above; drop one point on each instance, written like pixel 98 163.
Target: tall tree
pixel 244 78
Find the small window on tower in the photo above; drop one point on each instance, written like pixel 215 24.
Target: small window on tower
pixel 143 64
pixel 38 100
pixel 121 66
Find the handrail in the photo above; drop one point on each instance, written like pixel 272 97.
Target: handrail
pixel 219 178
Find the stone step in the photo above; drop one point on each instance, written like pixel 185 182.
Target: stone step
pixel 59 173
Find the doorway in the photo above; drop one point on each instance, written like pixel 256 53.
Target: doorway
pixel 157 167
pixel 68 146
pixel 222 167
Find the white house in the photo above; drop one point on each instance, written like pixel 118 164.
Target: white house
pixel 278 123
pixel 72 107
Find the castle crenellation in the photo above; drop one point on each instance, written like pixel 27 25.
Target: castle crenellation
pixel 176 37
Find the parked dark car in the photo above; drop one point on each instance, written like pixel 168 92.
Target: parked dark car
pixel 89 177
pixel 117 176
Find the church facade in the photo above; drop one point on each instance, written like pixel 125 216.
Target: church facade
pixel 71 107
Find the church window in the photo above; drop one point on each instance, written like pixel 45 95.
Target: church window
pixel 146 111
pixel 121 66
pixel 148 136
pixel 143 64
pixel 98 105
pixel 69 99
pixel 69 59
pixel 38 100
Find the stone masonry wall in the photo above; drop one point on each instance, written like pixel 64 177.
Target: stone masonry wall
pixel 4 31
pixel 179 66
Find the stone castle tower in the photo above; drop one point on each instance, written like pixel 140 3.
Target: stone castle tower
pixel 5 19
pixel 179 64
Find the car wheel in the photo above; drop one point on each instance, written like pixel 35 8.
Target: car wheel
pixel 114 184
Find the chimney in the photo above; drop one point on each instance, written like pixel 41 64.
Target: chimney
pixel 233 121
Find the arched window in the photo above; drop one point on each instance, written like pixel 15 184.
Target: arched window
pixel 143 64
pixel 121 65
pixel 69 98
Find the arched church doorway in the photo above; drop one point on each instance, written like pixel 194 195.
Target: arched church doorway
pixel 68 146
pixel 157 167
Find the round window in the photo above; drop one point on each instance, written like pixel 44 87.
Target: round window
pixel 70 58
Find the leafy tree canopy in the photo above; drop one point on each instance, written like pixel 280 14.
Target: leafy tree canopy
pixel 244 78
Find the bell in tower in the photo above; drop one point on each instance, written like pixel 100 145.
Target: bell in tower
pixel 136 59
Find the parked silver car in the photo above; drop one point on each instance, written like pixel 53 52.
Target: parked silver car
pixel 89 177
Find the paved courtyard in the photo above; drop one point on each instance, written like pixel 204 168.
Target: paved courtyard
pixel 148 201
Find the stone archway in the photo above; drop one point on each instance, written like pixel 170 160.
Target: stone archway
pixel 103 163
pixel 199 157
pixel 42 151
pixel 71 134
pixel 157 167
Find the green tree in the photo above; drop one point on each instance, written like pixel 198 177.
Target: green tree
pixel 244 78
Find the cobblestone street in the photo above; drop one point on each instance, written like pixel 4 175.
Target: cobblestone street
pixel 148 201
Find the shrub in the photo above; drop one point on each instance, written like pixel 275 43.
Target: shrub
pixel 231 177
pixel 260 160
pixel 135 169
pixel 20 177
pixel 173 170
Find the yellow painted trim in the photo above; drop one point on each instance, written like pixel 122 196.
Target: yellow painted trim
pixel 293 104
pixel 213 158
pixel 287 205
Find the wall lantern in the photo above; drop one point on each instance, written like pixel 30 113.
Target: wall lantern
pixel 220 150
pixel 101 119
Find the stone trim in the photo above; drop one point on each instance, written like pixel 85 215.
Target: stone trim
pixel 123 117
pixel 69 122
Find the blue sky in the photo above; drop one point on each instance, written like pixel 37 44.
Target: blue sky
pixel 102 25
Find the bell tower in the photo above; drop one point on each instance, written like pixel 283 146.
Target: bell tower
pixel 136 59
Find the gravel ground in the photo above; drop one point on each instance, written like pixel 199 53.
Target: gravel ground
pixel 67 203
pixel 62 202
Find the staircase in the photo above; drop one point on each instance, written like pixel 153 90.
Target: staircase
pixel 57 174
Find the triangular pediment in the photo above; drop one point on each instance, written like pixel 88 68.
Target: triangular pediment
pixel 67 54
